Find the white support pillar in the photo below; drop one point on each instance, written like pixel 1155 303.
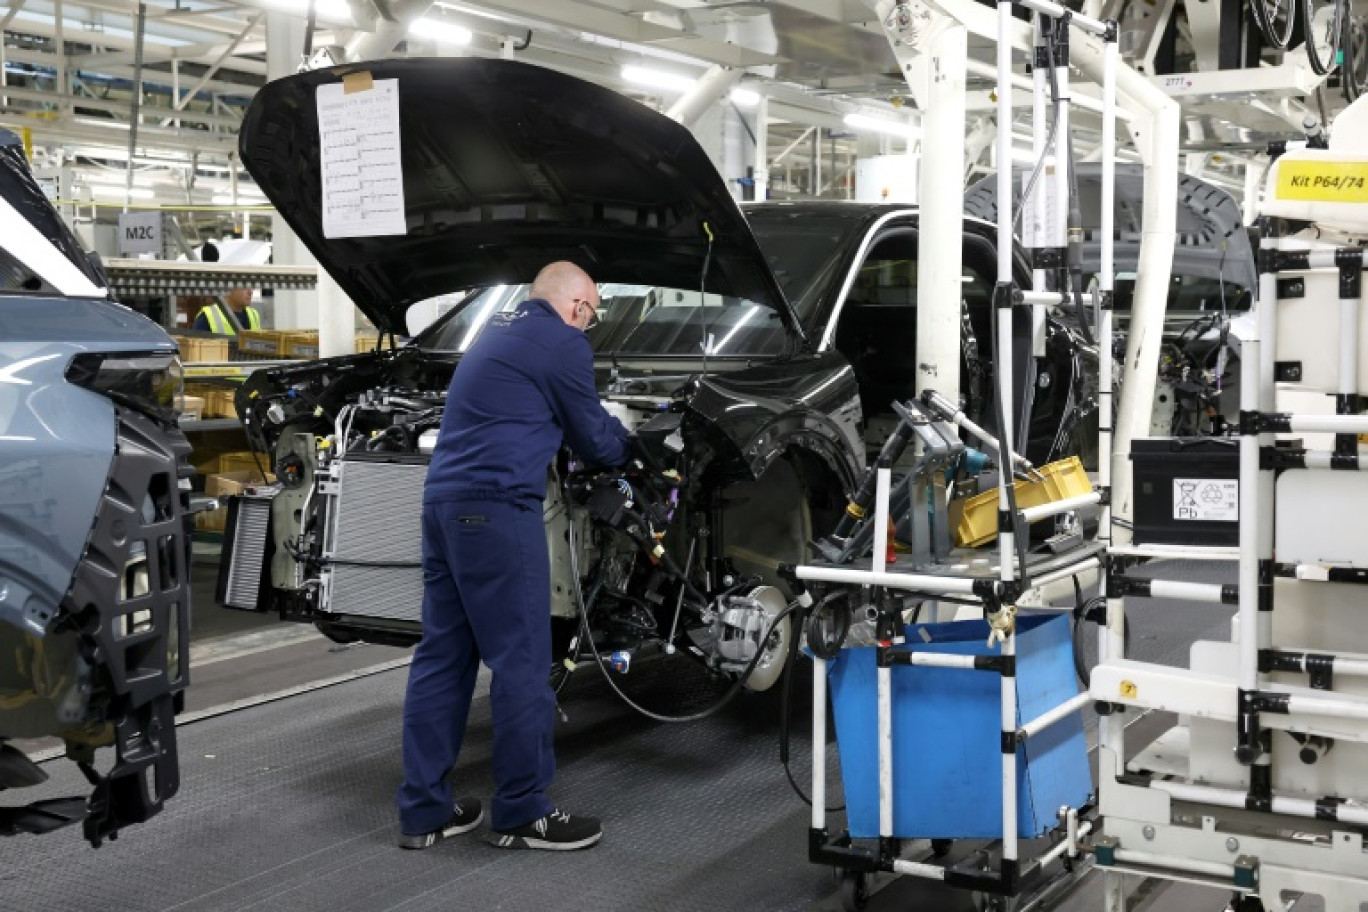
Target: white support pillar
pixel 933 60
pixel 336 319
pixel 761 172
pixel 940 96
pixel 291 309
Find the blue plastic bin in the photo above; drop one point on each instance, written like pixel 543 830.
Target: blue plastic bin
pixel 947 753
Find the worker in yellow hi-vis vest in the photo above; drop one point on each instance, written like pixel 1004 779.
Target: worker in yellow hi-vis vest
pixel 213 319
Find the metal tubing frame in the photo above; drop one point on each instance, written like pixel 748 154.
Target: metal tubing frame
pixel 1008 585
pixel 1056 507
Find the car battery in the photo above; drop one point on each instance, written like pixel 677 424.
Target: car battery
pixel 1187 491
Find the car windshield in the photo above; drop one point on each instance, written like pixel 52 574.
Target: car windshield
pixel 635 320
pixel 802 249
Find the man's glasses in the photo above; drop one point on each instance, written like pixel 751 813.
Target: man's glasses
pixel 593 313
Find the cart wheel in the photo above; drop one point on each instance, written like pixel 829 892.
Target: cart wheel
pixel 941 847
pixel 854 891
pixel 991 902
pixel 1249 904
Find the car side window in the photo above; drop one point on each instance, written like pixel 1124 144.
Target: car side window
pixel 877 328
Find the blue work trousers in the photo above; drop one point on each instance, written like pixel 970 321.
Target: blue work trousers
pixel 486 595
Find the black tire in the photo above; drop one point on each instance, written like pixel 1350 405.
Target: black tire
pixel 854 890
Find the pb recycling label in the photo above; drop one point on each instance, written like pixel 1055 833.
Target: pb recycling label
pixel 1206 499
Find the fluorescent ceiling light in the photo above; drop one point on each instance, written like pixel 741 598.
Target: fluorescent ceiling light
pixel 440 32
pixel 745 98
pixel 657 79
pixel 137 193
pixel 881 125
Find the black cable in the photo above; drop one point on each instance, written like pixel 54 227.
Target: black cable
pixel 1313 57
pixel 587 634
pixel 824 644
pixel 1267 23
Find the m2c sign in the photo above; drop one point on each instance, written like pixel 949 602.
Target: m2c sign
pixel 140 232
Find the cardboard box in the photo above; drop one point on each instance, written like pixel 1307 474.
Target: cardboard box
pixel 243 461
pixel 223 485
pixel 191 408
pixel 218 403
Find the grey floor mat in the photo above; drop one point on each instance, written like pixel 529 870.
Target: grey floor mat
pixel 288 806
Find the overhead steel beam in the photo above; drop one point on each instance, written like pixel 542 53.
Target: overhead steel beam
pixel 16 6
pixel 214 67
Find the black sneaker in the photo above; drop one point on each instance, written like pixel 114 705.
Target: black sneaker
pixel 465 816
pixel 557 831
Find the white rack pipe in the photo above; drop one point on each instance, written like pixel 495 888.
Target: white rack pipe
pixel 1320 706
pixel 1330 424
pixel 1248 576
pixel 1326 259
pixel 1348 346
pixel 1294 807
pixel 885 690
pixel 918 869
pixel 1070 843
pixel 949 585
pixel 1043 298
pixel 1055 576
pixel 1354 668
pixel 819 683
pixel 1054 508
pixel 1055 11
pixel 1059 713
pixel 1006 537
pixel 1192 592
pixel 879 559
pixel 1106 279
pixel 1322 459
pixel 1035 206
pixel 1190 865
pixel 936 660
pixel 1176 552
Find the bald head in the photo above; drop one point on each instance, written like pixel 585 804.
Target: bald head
pixel 569 290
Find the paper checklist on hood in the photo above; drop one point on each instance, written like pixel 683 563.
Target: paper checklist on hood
pixel 362 176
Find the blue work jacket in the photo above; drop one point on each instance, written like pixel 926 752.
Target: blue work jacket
pixel 524 386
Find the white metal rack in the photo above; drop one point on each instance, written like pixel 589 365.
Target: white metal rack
pixel 1266 833
pixel 1009 581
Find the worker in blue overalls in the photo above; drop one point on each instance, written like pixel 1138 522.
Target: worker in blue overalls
pixel 526 382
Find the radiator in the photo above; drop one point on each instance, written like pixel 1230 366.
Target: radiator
pixel 373 547
pixel 244 560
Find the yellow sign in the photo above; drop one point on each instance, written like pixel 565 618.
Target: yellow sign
pixel 1323 181
pixel 1129 690
pixel 26 134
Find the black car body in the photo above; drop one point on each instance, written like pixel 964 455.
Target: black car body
pixel 758 357
pixel 94 544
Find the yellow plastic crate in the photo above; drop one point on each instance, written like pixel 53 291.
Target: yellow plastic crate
pixel 194 348
pixel 301 343
pixel 1060 480
pixel 261 342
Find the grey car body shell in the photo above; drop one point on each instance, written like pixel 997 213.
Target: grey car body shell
pixel 56 443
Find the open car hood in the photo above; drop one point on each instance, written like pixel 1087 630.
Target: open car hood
pixel 508 167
